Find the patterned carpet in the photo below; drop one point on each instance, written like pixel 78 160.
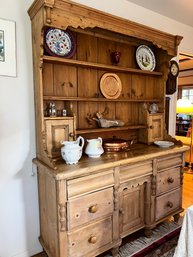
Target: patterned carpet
pixel 165 250
pixel 162 243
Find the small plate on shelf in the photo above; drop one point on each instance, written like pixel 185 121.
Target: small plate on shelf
pixel 59 42
pixel 164 144
pixel 110 86
pixel 145 58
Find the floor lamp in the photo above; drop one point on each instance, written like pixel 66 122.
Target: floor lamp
pixel 184 106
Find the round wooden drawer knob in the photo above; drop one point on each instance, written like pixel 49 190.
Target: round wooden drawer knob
pixel 93 208
pixel 170 180
pixel 170 204
pixel 92 240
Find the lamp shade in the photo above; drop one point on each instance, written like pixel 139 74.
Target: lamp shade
pixel 184 106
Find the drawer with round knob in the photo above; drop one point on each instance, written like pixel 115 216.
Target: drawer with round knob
pixel 168 180
pixel 89 207
pixel 169 161
pixel 90 238
pixel 167 203
pixel 78 187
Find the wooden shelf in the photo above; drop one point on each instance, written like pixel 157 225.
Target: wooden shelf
pixel 99 99
pixel 58 117
pixel 99 66
pixel 98 130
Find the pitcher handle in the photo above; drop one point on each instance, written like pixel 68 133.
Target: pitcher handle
pixel 82 141
pixel 100 139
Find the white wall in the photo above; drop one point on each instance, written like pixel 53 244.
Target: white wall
pixel 19 224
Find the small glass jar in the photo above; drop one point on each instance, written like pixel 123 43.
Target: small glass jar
pixel 64 112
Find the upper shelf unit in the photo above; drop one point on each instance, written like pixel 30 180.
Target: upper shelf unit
pixel 75 83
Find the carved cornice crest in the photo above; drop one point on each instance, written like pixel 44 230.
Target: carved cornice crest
pixel 76 15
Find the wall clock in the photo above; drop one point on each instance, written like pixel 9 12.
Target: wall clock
pixel 171 82
pixel 174 68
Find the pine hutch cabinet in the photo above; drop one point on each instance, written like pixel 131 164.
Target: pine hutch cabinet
pixel 87 208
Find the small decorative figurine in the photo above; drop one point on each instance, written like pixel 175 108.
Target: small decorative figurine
pixel 115 57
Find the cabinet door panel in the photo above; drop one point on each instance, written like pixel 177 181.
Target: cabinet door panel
pixel 56 131
pixel 131 209
pixel 155 127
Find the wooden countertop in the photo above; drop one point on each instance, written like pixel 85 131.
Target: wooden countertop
pixel 86 165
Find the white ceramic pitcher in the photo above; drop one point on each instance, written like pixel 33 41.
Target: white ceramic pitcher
pixel 94 147
pixel 72 150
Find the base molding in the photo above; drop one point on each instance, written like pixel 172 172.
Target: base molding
pixel 41 254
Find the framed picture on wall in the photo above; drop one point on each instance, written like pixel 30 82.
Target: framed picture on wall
pixel 7 48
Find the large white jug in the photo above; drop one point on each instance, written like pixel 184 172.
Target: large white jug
pixel 72 150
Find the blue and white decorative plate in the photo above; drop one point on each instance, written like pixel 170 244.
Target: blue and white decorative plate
pixel 59 42
pixel 145 58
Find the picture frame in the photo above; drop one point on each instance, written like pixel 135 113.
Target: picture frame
pixel 7 48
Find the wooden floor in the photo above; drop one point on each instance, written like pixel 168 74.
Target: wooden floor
pixel 187 198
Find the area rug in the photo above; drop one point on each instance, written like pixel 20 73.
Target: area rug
pixel 162 242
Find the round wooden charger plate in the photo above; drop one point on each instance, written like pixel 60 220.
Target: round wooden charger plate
pixel 110 86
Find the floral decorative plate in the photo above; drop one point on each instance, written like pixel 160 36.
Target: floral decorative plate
pixel 59 42
pixel 163 144
pixel 145 58
pixel 110 86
